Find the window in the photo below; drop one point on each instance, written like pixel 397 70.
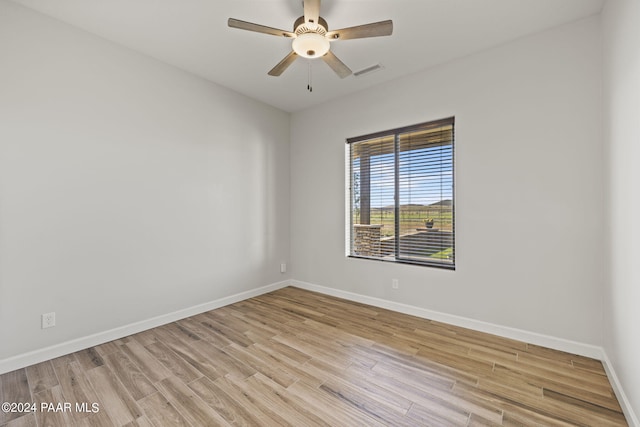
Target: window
pixel 401 195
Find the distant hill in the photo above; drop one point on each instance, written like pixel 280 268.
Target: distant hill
pixel 416 207
pixel 447 202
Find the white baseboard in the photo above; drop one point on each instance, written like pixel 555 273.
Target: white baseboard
pixel 40 355
pixel 629 413
pixel 555 343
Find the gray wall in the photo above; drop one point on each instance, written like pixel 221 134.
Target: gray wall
pixel 529 184
pixel 128 189
pixel 621 28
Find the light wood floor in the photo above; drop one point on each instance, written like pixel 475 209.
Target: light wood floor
pixel 298 358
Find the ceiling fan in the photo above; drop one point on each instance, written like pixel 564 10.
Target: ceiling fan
pixel 311 37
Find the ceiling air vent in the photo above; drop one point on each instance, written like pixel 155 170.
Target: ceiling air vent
pixel 368 70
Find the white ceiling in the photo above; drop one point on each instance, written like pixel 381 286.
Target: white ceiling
pixel 193 35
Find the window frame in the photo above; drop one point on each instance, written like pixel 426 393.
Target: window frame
pixel 349 194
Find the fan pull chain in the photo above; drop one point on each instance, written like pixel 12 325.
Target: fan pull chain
pixel 309 86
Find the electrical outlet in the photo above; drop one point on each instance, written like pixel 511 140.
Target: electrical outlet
pixel 283 268
pixel 395 284
pixel 48 320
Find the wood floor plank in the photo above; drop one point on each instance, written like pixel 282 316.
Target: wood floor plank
pixel 136 383
pixel 256 323
pixel 148 365
pixel 161 412
pixel 300 307
pixel 554 384
pixel 278 399
pixel 14 388
pixel 316 353
pixel 543 375
pixel 366 404
pixel 28 420
pixel 255 327
pixel 423 366
pixel 343 338
pixel 598 411
pixel 455 361
pixel 202 327
pixel 181 332
pixel 41 377
pixel 229 364
pixel 89 358
pixel 113 395
pixel 343 413
pixel 98 419
pixel 190 406
pixel 478 421
pixel 565 370
pixel 378 387
pixel 394 345
pixel 185 351
pixel 283 351
pixel 145 338
pixel 517 416
pixel 209 329
pixel 294 357
pixel 415 376
pixel 140 422
pixel 217 324
pixel 173 363
pixel 262 365
pixel 482 338
pixel 555 355
pixel 107 348
pixel 426 395
pixel 281 356
pixel 51 408
pixel 437 415
pixel 550 407
pixel 258 309
pixel 75 385
pixel 241 394
pixel 224 404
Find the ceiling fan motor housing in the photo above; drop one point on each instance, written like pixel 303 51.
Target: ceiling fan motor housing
pixel 310 41
pixel 302 27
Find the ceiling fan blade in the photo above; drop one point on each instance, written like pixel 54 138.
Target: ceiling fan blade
pixel 376 29
pixel 336 65
pixel 250 26
pixel 311 11
pixel 283 65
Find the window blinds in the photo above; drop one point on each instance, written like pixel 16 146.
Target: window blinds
pixel 401 192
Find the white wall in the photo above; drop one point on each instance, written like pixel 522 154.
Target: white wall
pixel 529 183
pixel 128 189
pixel 621 29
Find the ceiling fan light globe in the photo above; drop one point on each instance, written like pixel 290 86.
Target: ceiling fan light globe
pixel 311 45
